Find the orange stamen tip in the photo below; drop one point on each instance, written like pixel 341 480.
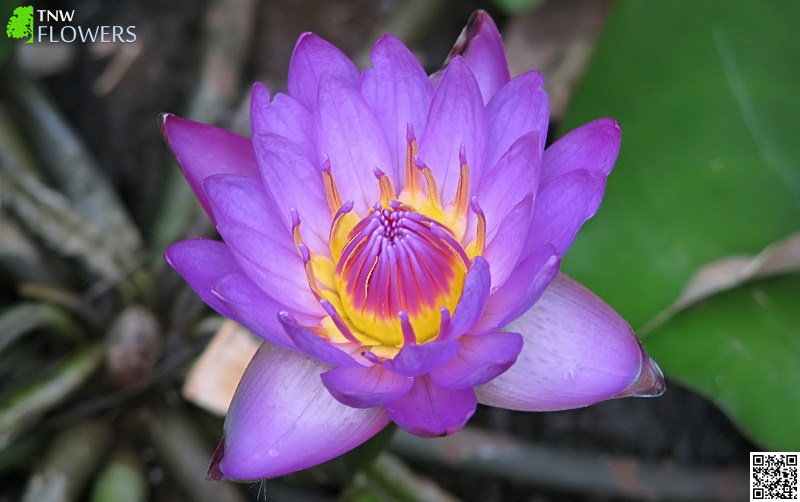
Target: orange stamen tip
pixel 480 233
pixel 305 254
pixel 387 188
pixel 461 200
pixel 412 181
pixel 296 227
pixel 432 190
pixel 331 190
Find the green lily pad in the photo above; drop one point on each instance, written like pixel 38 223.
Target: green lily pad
pixel 741 348
pixel 707 97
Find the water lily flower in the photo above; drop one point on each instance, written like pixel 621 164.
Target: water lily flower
pixel 395 240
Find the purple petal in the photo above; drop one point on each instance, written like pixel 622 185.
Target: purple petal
pixel 259 103
pixel 577 351
pixel 473 299
pixel 417 360
pixel 366 387
pixel 273 266
pixel 515 177
pixel 456 118
pixel 239 199
pixel 288 118
pixel 314 346
pixel 312 58
pixel 202 263
pixel 480 360
pixel 350 135
pixel 522 288
pixel 253 308
pixel 399 92
pixel 593 147
pixel 295 182
pixel 506 247
pixel 431 411
pixel 263 246
pixel 519 108
pixel 203 150
pixel 563 206
pixel 482 49
pixel 283 420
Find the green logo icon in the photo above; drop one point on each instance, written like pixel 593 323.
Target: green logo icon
pixel 20 25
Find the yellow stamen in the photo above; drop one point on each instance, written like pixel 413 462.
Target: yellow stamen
pixel 480 239
pixel 461 200
pixel 476 247
pixel 343 222
pixel 296 237
pixel 331 190
pixel 413 182
pixel 432 190
pixel 455 215
pixel 324 270
pixel 386 186
pixel 305 254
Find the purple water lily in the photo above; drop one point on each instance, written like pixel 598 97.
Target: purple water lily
pixel 395 240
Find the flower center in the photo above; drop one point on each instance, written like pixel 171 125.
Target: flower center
pixel 399 264
pixel 394 275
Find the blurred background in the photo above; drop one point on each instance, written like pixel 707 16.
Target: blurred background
pixel 696 244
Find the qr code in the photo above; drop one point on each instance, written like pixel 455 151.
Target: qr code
pixel 773 476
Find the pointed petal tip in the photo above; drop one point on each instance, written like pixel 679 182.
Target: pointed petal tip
pixel 167 122
pixel 259 101
pixel 478 20
pixel 482 47
pixel 649 383
pixel 214 472
pixel 308 40
pixel 168 255
pixel 303 37
pixel 610 122
pixel 162 123
pixel 386 39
